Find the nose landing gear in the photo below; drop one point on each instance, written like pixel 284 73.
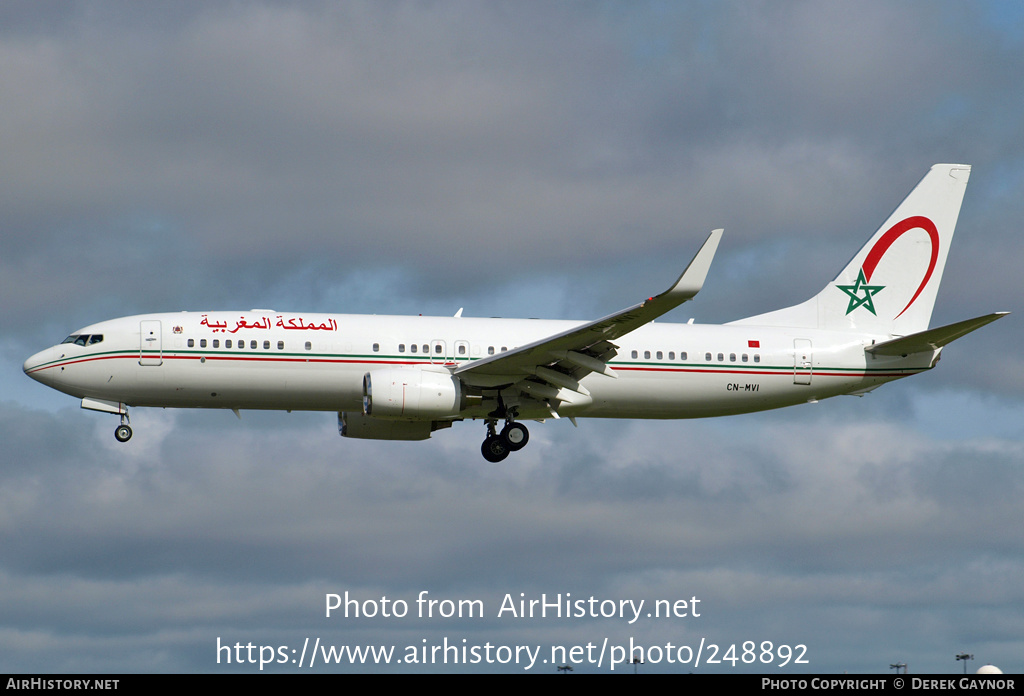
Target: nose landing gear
pixel 123 432
pixel 512 438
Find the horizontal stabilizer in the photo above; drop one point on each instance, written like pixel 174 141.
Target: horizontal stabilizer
pixel 933 339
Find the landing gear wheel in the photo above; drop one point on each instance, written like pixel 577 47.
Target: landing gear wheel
pixel 123 433
pixel 494 448
pixel 516 436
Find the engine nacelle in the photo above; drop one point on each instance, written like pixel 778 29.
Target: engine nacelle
pixel 411 393
pixel 356 425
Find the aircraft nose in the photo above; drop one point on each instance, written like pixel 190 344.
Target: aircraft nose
pixel 35 367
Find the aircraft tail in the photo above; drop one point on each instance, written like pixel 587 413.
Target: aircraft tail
pixel 889 287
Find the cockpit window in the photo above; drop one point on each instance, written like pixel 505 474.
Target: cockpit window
pixel 83 339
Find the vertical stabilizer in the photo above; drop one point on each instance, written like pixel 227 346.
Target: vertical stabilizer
pixel 890 285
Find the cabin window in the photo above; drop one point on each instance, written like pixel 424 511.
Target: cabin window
pixel 309 346
pixel 721 357
pixel 757 357
pixel 732 357
pixel 437 349
pixel 191 342
pixel 426 348
pixel 227 343
pixel 202 342
pixel 413 348
pixel 503 349
pixel 462 349
pixel 266 345
pixel 647 355
pixel 707 356
pixel 280 345
pixel 658 355
pixel 376 347
pixel 682 355
pixel 671 355
pixel 490 351
pixel 252 344
pixel 634 354
pixel 744 357
pixel 401 347
pixel 216 343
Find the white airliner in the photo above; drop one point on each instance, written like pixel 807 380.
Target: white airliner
pixel 401 378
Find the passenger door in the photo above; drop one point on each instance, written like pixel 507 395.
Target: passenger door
pixel 803 361
pixel 150 342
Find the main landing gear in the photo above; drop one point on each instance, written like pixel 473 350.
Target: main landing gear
pixel 513 437
pixel 123 432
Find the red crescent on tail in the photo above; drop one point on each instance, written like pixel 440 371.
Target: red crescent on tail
pixel 894 233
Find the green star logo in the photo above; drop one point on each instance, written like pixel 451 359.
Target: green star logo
pixel 856 298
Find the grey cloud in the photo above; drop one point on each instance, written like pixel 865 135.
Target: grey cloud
pixel 210 515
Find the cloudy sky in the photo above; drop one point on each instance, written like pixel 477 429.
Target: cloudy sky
pixel 556 160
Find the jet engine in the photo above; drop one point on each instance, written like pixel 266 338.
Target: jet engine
pixel 356 425
pixel 411 393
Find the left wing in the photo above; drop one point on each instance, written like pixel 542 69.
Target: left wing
pixel 544 368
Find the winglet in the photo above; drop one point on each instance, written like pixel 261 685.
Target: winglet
pixel 692 279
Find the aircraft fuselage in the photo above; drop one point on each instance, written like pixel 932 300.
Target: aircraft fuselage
pixel 316 362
